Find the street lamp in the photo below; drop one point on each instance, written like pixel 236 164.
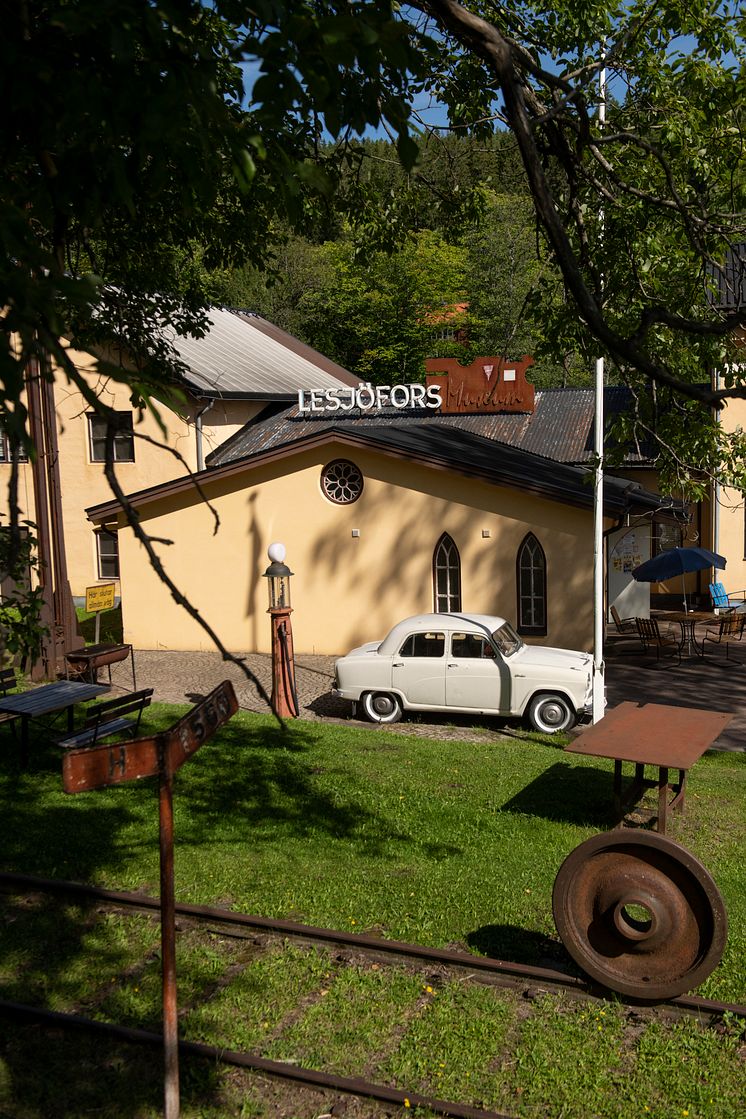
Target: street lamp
pixel 284 697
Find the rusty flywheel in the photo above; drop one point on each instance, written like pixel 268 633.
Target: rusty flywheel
pixel 640 914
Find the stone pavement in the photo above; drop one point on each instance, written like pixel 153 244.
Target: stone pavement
pixel 712 682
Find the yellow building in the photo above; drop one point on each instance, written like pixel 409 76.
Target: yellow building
pixel 241 366
pixel 387 507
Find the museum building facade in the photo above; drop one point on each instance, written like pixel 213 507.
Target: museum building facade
pixel 468 493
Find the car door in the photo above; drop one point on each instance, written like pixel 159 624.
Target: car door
pixel 473 673
pixel 418 670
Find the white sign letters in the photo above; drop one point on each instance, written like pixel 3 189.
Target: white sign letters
pixel 367 398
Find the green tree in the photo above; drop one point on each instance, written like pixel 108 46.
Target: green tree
pixel 374 315
pixel 129 160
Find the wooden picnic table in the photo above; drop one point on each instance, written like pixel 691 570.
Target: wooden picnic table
pixel 655 734
pixel 45 700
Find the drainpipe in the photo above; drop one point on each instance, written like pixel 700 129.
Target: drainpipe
pixel 198 432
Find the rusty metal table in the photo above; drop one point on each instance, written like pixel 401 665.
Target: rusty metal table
pixel 656 735
pixel 45 700
pixel 90 658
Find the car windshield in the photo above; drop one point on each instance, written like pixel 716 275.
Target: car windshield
pixel 507 640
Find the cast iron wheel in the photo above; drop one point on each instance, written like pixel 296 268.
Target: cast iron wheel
pixel 550 713
pixel 382 707
pixel 640 914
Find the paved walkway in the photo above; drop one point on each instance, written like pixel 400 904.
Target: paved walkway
pixel 713 683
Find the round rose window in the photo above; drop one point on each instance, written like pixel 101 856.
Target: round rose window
pixel 342 482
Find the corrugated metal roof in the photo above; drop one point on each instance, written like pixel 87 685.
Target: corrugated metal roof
pixel 242 355
pixel 560 428
pixel 435 445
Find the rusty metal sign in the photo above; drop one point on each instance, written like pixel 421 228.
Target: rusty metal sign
pixel 100 766
pixel 96 767
pixel 489 384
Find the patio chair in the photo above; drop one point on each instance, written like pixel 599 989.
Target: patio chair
pixel 652 638
pixel 623 625
pixel 726 600
pixel 728 631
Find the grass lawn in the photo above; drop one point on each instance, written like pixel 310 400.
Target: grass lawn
pixel 110 626
pixel 442 843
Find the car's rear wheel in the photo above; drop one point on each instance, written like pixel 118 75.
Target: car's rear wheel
pixel 550 713
pixel 382 707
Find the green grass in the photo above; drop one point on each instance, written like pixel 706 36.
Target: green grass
pixel 110 626
pixel 435 842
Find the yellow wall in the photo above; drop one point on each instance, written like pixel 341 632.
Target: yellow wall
pixel 83 483
pixel 730 514
pixel 347 590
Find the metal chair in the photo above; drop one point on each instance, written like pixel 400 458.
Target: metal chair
pixel 726 600
pixel 623 625
pixel 651 637
pixel 727 632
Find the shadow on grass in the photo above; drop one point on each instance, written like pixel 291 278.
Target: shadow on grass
pixel 520 946
pixel 58 1075
pixel 110 626
pixel 570 794
pixel 249 785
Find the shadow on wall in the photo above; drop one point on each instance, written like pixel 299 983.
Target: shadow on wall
pixel 406 576
pixel 254 560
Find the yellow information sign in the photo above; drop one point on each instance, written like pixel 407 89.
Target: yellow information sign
pixel 99 598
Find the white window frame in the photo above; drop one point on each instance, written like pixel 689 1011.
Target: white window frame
pixel 124 440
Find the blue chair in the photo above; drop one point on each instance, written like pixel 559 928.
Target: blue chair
pixel 726 600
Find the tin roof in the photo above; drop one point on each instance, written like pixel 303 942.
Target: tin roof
pixel 560 428
pixel 244 356
pixel 436 445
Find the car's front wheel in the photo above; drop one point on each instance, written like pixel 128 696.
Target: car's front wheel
pixel 382 707
pixel 550 713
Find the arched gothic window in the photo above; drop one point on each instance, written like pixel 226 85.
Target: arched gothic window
pixel 446 576
pixel 531 581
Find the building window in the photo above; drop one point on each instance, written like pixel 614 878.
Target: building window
pixel 341 482
pixel 7 454
pixel 446 576
pixel 107 552
pixel 531 579
pixel 665 537
pixel 124 439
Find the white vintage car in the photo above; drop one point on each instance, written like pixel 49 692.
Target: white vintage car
pixel 467 663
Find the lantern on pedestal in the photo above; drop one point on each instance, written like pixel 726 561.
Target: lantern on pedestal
pixel 284 698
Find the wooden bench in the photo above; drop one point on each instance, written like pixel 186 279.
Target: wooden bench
pixel 113 716
pixel 8 683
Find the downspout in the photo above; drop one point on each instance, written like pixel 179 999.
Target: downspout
pixel 198 433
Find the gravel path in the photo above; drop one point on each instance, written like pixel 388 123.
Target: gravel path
pixel 711 683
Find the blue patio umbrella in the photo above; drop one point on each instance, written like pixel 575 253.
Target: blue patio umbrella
pixel 676 561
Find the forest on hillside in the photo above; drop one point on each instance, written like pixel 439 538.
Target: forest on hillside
pixel 442 261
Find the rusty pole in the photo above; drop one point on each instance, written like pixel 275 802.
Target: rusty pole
pixel 168 941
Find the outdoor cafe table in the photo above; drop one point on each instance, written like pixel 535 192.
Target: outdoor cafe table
pixel 657 735
pixel 688 620
pixel 44 700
